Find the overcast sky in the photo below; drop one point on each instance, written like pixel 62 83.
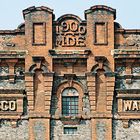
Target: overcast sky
pixel 128 11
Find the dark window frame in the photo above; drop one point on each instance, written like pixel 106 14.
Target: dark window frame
pixel 70 130
pixel 70 102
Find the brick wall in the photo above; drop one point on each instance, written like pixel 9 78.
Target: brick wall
pixel 45 56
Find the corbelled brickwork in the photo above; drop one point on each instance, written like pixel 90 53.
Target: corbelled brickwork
pixel 69 79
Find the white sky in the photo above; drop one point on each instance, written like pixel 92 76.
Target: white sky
pixel 128 11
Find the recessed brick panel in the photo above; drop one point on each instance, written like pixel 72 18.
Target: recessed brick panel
pixel 39 32
pixel 100 33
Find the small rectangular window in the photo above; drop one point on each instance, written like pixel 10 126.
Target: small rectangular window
pixel 70 130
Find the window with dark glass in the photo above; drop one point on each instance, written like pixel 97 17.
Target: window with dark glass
pixel 70 102
pixel 70 130
pixel 4 70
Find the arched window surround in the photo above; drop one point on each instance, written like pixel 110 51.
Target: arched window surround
pixel 74 85
pixel 70 99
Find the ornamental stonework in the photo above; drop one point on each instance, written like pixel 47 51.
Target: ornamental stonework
pixel 69 78
pixel 70 32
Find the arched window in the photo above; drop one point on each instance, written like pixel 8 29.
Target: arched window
pixel 70 102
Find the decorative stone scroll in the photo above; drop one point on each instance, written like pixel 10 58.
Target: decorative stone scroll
pixel 70 33
pixel 7 41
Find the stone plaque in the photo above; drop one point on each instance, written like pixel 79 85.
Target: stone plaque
pixel 70 33
pixel 131 105
pixel 8 105
pixel 11 104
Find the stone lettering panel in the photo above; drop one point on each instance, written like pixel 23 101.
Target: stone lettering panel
pixel 70 33
pixel 10 105
pixel 131 105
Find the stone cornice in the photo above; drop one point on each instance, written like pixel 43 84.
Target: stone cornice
pixel 13 53
pixel 33 8
pixel 101 7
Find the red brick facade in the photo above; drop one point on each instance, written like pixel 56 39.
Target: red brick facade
pixel 95 57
